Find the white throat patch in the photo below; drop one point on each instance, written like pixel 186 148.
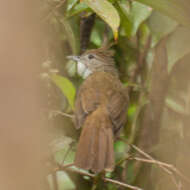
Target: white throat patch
pixel 82 70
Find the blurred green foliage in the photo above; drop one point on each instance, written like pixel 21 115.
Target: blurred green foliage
pixel 66 87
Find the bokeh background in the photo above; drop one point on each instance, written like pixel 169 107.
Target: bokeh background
pixel 38 88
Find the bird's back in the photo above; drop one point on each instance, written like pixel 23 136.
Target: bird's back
pixel 99 89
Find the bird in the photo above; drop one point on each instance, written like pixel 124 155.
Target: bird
pixel 100 110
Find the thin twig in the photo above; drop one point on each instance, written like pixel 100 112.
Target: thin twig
pixel 60 167
pixel 178 185
pixel 170 169
pixel 68 167
pixel 150 161
pixel 121 184
pixel 151 158
pixel 179 173
pixel 124 159
pixel 56 112
pixel 160 164
pixel 147 156
pixel 163 165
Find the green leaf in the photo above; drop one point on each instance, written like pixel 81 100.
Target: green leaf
pixel 107 12
pixel 134 16
pixel 64 181
pixel 97 31
pixel 65 155
pixel 121 146
pixel 178 45
pixel 139 13
pixel 78 8
pixel 66 87
pixel 126 24
pixel 71 67
pixel 121 150
pixel 132 110
pixel 176 9
pixel 96 37
pixel 161 25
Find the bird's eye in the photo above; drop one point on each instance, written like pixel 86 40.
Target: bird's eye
pixel 90 56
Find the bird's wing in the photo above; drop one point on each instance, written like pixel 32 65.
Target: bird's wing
pixel 86 103
pixel 117 109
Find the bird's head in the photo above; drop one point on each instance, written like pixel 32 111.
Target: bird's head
pixel 94 60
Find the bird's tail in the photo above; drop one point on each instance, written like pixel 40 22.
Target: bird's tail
pixel 95 148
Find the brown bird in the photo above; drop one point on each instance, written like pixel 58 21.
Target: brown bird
pixel 100 110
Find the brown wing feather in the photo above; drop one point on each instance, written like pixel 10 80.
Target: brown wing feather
pixel 109 165
pixel 86 103
pixel 117 109
pixel 80 115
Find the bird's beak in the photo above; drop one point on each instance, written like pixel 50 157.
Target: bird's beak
pixel 74 58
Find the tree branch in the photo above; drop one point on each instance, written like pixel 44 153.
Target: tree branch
pixel 86 25
pixel 168 168
pixel 68 168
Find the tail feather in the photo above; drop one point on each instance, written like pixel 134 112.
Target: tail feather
pixel 95 150
pixel 102 150
pixel 109 166
pixel 84 156
pixel 95 147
